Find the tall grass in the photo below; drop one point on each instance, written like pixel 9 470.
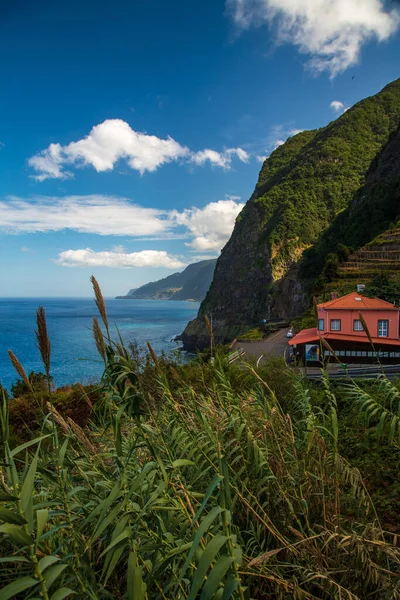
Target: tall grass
pixel 181 491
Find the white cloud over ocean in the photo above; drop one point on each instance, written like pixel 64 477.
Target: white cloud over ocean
pixel 206 229
pixel 145 258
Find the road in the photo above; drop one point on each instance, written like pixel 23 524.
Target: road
pixel 275 344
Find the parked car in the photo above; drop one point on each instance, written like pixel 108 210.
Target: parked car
pixel 289 333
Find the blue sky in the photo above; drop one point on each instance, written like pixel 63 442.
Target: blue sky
pixel 133 132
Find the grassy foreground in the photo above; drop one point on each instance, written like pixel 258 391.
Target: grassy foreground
pixel 193 482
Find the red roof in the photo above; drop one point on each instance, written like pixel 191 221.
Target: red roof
pixel 358 302
pixel 312 335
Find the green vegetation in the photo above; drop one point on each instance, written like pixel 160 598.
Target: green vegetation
pixel 311 178
pixel 320 196
pixel 371 217
pixel 201 481
pixel 252 334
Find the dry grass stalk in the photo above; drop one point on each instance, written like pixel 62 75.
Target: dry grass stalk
pixel 365 326
pixel 99 339
pixel 85 396
pixel 43 340
pixel 99 301
pixel 209 327
pixel 81 436
pixel 20 369
pixel 329 347
pixel 58 418
pixel 315 307
pixel 153 354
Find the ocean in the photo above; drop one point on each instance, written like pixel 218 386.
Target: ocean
pixel 74 356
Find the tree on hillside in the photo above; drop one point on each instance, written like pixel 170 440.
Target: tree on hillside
pixel 38 381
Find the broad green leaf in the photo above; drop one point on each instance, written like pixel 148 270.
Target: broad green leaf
pixel 182 462
pixel 17 534
pixel 28 486
pixel 42 517
pixel 47 561
pixel 11 517
pixel 136 585
pixel 230 586
pixel 77 489
pixel 7 498
pixel 205 563
pixel 16 587
pixel 216 481
pixel 115 556
pixel 11 559
pixel 103 506
pixel 204 525
pixel 62 593
pixel 216 577
pixel 122 536
pixel 104 523
pixel 50 532
pixel 19 449
pixel 52 573
pixel 63 449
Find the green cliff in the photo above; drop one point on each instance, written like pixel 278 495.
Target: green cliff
pixel 310 193
pixel 191 284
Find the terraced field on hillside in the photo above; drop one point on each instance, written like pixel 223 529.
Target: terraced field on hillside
pixel 379 257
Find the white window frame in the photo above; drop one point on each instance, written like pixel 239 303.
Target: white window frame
pixel 336 321
pixel 357 325
pixel 381 329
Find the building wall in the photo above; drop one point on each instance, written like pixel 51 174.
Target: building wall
pixel 371 318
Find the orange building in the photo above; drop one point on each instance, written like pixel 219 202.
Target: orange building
pixel 340 324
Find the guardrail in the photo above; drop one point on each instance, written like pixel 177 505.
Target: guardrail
pixel 235 355
pixel 391 372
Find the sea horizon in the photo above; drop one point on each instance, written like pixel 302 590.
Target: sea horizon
pixel 74 356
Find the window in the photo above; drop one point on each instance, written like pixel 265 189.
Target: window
pixel 383 328
pixel 321 324
pixel 336 324
pixel 357 325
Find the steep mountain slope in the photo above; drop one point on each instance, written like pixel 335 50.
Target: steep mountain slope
pixel 191 284
pixel 375 207
pixel 302 187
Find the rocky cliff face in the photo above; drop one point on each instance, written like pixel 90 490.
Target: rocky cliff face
pixel 302 187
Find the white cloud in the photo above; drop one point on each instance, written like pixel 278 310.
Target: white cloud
pixel 338 107
pixel 104 215
pixel 118 248
pixel 278 143
pixel 24 249
pixel 261 159
pixel 330 32
pixel 210 226
pixel 219 159
pixel 295 131
pixel 113 140
pixel 145 258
